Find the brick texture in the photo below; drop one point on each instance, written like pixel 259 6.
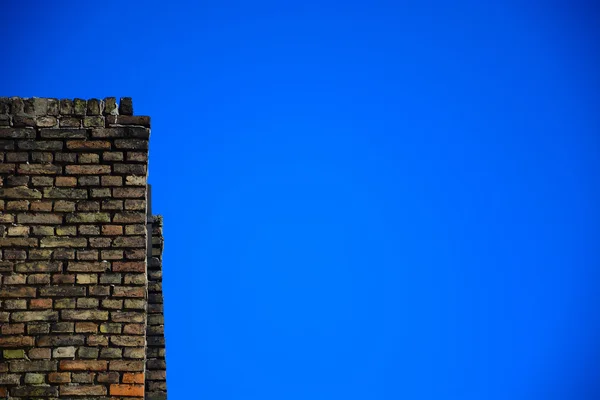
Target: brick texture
pixel 81 305
pixel 156 385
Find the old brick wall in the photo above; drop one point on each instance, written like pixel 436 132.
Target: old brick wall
pixel 73 237
pixel 156 385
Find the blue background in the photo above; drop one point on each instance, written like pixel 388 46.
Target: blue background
pixel 362 200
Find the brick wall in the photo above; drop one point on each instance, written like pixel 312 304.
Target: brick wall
pixel 156 388
pixel 73 241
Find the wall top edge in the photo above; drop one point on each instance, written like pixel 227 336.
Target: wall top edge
pixel 77 107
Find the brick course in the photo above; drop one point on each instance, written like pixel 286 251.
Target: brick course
pixel 80 292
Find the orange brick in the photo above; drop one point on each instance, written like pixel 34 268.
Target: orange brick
pixel 80 365
pixel 66 181
pixel 41 303
pixel 86 327
pixel 127 390
pixel 133 378
pixel 112 230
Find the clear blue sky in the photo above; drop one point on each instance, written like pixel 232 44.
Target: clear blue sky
pixel 362 200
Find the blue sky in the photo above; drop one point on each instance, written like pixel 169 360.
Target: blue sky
pixel 362 200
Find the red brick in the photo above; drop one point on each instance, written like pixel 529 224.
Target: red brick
pixel 129 377
pixel 127 390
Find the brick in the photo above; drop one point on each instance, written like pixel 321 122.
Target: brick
pixel 137 156
pixel 15 304
pixel 82 390
pixel 18 230
pixel 129 317
pixel 66 230
pixel 129 192
pixel 19 180
pixel 97 193
pixel 108 377
pixel 87 169
pixel 134 352
pixel 12 329
pixel 93 121
pixel 110 106
pixel 97 340
pixel 89 266
pixel 17 291
pixel 132 266
pixel 127 390
pixel 64 206
pixel 88 352
pixel 39 169
pixel 87 279
pixel 38 279
pixel 66 107
pixel 125 107
pixel 65 157
pixel 64 133
pixel 128 341
pixel 88 158
pixel 40 145
pixel 135 180
pixel 129 241
pixel 65 181
pixel 15 279
pixel 111 353
pixel 13 354
pixel 15 255
pixel 18 242
pixel 9 379
pixel 79 107
pixel 32 366
pixel 66 303
pixel 83 365
pixel 130 169
pixel 86 327
pixel 42 181
pixel 20 193
pixel 62 327
pixel 87 255
pixel 112 304
pixel 84 315
pixel 28 316
pixel 60 340
pixel 88 180
pixel 41 206
pixel 64 352
pixel 83 377
pixel 15 341
pixel 89 230
pixel 87 302
pixel 35 391
pixel 39 354
pixel 63 193
pixel 87 218
pixel 62 291
pixel 70 122
pixel 88 206
pixel 42 157
pixel 109 156
pixel 59 377
pixel 88 144
pixel 129 291
pixel 63 241
pixel 39 219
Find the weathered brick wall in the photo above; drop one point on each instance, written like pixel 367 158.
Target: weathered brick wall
pixel 156 385
pixel 73 275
